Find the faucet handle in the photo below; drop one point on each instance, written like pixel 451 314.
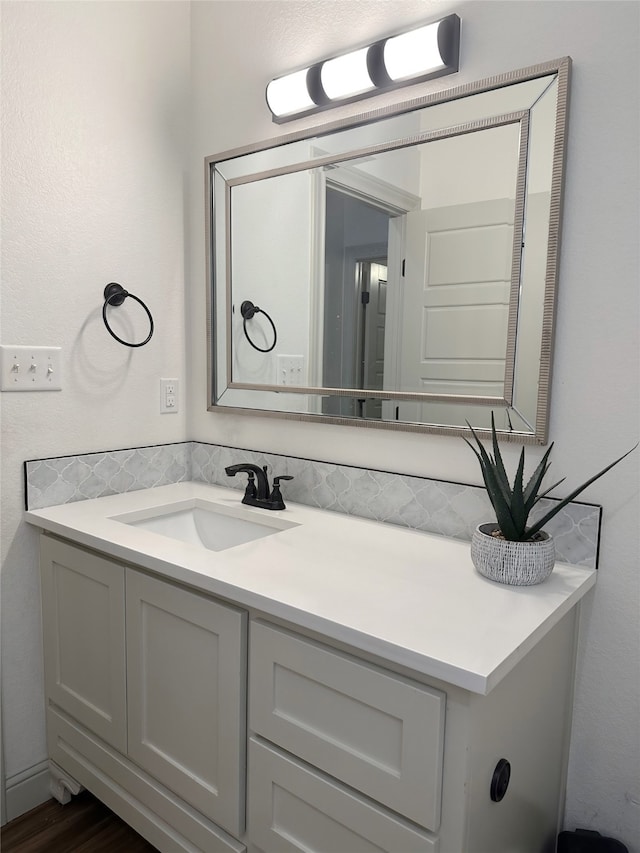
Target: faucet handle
pixel 276 480
pixel 276 495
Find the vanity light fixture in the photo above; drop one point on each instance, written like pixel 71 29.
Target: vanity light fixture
pixel 420 54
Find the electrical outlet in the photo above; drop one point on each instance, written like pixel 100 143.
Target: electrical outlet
pixel 169 399
pixel 30 368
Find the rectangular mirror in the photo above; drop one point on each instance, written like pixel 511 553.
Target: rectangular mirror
pixel 395 270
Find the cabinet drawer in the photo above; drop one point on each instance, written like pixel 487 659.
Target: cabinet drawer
pixel 293 808
pixel 376 731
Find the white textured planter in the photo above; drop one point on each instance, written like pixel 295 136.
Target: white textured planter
pixel 516 563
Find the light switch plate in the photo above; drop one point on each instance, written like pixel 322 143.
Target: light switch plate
pixel 30 368
pixel 289 369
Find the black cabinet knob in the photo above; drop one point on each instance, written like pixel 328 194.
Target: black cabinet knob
pixel 500 780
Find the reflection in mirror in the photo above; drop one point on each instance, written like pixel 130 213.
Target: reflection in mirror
pixel 409 263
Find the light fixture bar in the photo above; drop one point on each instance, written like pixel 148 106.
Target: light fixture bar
pixel 419 54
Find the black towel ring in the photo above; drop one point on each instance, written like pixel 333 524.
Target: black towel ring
pixel 248 310
pixel 114 295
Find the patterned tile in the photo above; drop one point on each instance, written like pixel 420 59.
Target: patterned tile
pixel 65 479
pixel 434 506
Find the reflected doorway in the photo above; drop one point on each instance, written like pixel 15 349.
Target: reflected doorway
pixel 371 296
pixel 356 247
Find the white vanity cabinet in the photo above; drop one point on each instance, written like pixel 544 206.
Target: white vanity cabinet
pixel 263 699
pixel 145 686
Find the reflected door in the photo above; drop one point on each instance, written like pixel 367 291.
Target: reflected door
pixel 455 305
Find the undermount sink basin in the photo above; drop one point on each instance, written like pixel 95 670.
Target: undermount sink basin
pixel 206 524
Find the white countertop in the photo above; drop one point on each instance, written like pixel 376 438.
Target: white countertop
pixel 412 598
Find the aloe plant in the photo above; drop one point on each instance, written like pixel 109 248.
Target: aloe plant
pixel 513 505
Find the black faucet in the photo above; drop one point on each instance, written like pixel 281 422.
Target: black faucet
pixel 260 495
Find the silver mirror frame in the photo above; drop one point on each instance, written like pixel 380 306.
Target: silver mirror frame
pixel 562 69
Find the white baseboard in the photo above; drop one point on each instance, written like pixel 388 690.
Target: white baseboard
pixel 27 789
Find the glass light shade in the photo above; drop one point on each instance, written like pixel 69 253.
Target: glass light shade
pixel 413 54
pixel 289 94
pixel 346 75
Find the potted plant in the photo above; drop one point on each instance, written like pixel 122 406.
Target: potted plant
pixel 511 550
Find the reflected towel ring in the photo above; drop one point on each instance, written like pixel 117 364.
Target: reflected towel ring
pixel 114 295
pixel 248 310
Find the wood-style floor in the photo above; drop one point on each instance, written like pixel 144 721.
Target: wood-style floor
pixel 84 825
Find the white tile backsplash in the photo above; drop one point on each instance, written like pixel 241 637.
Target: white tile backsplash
pixel 434 506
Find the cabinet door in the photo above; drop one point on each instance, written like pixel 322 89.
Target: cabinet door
pixel 292 808
pixel 186 664
pixel 84 640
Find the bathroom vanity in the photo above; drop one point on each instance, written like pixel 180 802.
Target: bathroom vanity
pixel 321 682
